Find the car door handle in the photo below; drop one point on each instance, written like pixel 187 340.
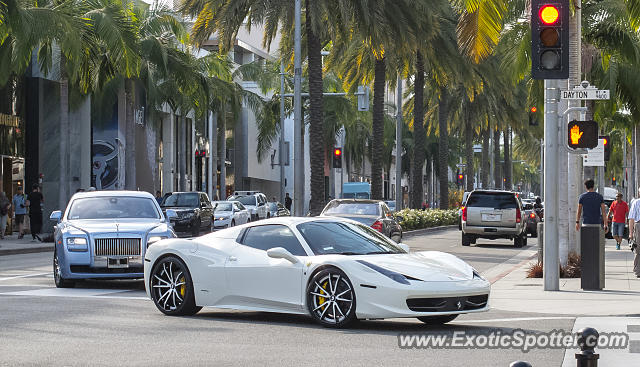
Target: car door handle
pixel 233 258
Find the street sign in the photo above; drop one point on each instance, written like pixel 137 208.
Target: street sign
pixel 477 148
pixel 582 134
pixel 595 156
pixel 586 94
pixel 585 91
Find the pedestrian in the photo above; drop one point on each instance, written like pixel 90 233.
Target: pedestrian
pixel 538 203
pixel 634 233
pixel 5 205
pixel 287 202
pixel 619 209
pixel 19 204
pixel 159 197
pixel 591 207
pixel 34 202
pixel 273 199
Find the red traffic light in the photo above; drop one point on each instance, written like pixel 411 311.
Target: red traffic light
pixel 534 109
pixel 337 152
pixel 605 141
pixel 549 14
pixel 460 177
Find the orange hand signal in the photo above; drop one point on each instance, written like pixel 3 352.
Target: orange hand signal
pixel 576 134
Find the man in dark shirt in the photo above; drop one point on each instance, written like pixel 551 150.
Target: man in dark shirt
pixel 288 202
pixel 591 207
pixel 34 202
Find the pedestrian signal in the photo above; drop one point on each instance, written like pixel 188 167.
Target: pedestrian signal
pixel 582 134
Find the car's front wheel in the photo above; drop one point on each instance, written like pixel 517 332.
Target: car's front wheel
pixel 437 320
pixel 57 274
pixel 171 288
pixel 331 299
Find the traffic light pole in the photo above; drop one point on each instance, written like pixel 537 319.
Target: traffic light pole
pixel 551 211
pixel 298 154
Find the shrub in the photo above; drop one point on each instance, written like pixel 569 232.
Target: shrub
pixel 417 219
pixel 571 270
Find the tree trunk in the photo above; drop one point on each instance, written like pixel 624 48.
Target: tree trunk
pixel 484 174
pixel 497 176
pixel 379 84
pixel 316 135
pixel 468 147
pixel 508 184
pixel 223 153
pixel 130 135
pixel 443 148
pixel 419 136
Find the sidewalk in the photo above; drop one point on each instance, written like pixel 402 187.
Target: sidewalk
pixel 11 245
pixel 621 296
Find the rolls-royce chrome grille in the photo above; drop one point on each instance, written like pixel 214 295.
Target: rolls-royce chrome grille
pixel 117 247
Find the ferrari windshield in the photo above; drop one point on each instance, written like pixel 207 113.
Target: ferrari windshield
pixel 328 237
pixel 113 207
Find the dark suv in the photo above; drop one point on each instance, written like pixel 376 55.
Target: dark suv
pixel 493 214
pixel 194 210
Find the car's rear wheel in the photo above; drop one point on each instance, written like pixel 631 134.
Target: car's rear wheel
pixel 437 320
pixel 57 274
pixel 171 288
pixel 466 240
pixel 331 299
pixel 520 241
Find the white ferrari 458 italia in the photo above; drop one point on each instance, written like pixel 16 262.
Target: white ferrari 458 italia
pixel 335 270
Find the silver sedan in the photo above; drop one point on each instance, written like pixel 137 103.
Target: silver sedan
pixel 229 214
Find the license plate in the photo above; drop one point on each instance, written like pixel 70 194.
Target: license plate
pixel 118 263
pixel 491 217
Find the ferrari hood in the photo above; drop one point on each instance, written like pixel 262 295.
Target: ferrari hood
pixel 432 266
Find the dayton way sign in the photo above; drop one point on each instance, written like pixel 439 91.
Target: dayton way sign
pixel 584 91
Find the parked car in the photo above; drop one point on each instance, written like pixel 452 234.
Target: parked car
pixel 229 214
pixel 373 213
pixel 532 218
pixel 255 202
pixel 333 270
pixel 194 212
pixel 105 234
pixel 493 214
pixel 391 204
pixel 276 209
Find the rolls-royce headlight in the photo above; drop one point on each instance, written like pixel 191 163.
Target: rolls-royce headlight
pixel 78 244
pixel 222 218
pixel 153 239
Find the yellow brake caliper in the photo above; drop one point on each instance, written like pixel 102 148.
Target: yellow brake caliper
pixel 182 287
pixel 321 300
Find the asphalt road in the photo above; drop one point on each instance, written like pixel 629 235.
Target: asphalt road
pixel 112 323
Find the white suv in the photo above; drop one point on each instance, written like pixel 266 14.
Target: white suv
pixel 255 202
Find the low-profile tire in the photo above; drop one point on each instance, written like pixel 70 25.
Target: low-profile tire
pixel 57 274
pixel 171 288
pixel 466 240
pixel 338 308
pixel 195 232
pixel 437 320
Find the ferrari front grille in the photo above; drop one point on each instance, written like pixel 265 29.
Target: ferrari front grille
pixel 117 247
pixel 442 304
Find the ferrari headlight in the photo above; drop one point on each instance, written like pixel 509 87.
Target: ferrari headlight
pixel 388 273
pixel 154 239
pixel 78 244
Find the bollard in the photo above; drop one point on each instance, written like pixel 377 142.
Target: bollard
pixel 520 364
pixel 587 341
pixel 540 241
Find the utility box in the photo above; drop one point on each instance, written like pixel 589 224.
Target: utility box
pixel 592 253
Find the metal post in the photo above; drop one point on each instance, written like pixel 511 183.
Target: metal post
pixel 399 146
pixel 587 340
pixel 551 132
pixel 282 152
pixel 298 157
pixel 542 169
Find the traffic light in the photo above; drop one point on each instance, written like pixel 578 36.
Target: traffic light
pixel 613 181
pixel 550 39
pixel 607 147
pixel 337 158
pixel 460 179
pixel 533 116
pixel 582 134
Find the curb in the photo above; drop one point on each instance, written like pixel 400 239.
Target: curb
pixel 27 250
pixel 417 232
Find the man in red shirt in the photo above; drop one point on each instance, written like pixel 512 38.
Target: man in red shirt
pixel 619 209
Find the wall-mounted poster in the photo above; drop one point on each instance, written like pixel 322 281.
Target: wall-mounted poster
pixel 107 152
